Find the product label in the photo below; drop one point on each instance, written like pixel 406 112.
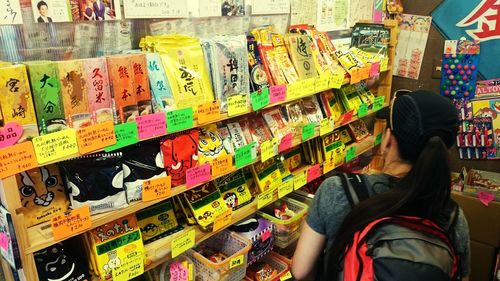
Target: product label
pixel 208 112
pixel 308 131
pixel 198 174
pixel 221 165
pixel 260 99
pixel 378 103
pixel 245 155
pixel 151 125
pixel 237 261
pixel 350 153
pixel 126 134
pixel 268 149
pixel 362 110
pixel 286 142
pixel 336 80
pixel 223 219
pixel 313 173
pixel 326 126
pixel 178 120
pixel 16 159
pixel 156 188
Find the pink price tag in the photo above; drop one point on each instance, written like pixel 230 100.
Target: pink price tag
pixel 10 134
pixel 4 241
pixel 286 142
pixel 375 69
pixel 151 125
pixel 178 272
pixel 313 173
pixel 198 174
pixel 265 235
pixel 277 93
pixel 485 197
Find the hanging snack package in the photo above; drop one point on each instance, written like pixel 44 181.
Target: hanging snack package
pixel 206 203
pixel 74 94
pixel 234 189
pixel 122 82
pixel 141 84
pixel 141 162
pixel 99 94
pixel 225 135
pixel 282 59
pixel 301 55
pixel 163 99
pixel 47 96
pixel 157 221
pixel 312 109
pixel 16 100
pixel 59 263
pixel 42 194
pixel 183 61
pixel 96 180
pixel 258 76
pixel 180 152
pixel 210 144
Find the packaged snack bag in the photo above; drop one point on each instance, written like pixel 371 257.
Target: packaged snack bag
pixel 99 94
pixel 121 76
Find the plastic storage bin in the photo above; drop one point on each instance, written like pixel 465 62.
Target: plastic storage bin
pixel 274 261
pixel 260 232
pixel 231 245
pixel 285 231
pixel 164 271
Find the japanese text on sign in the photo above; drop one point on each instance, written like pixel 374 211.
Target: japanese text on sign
pixel 268 149
pixel 223 219
pixel 286 142
pixel 245 155
pixel 156 188
pixel 299 180
pixel 208 112
pixel 313 173
pixel 17 158
pixel 66 225
pixel 237 261
pixel 265 198
pixel 236 105
pixel 308 131
pixel 285 188
pixel 277 93
pixel 221 165
pixel 183 242
pixel 178 120
pixel 126 134
pixel 95 137
pixel 198 174
pixel 55 146
pixel 151 125
pixel 260 99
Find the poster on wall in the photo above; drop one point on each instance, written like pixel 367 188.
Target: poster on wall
pixel 10 12
pixel 360 10
pixel 474 20
pixel 270 7
pixel 93 10
pixel 412 39
pixel 303 12
pixel 230 8
pixel 46 11
pixel 332 15
pixel 150 9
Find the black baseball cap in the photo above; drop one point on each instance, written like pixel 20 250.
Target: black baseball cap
pixel 415 117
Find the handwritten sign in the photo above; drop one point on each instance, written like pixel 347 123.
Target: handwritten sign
pixel 321 82
pixel 346 117
pixel 362 110
pixel 266 7
pixel 328 165
pixel 378 103
pixel 237 261
pixel 326 126
pixel 260 99
pixel 55 146
pixel 95 137
pixel 10 13
pixel 237 105
pixel 16 159
pixel 180 119
pixel 156 188
pixel 378 138
pixel 285 188
pixel 350 153
pixel 268 149
pixel 286 142
pixel 336 80
pixel 151 125
pixel 10 134
pixel 384 64
pixel 265 198
pixel 198 174
pixel 245 155
pixel 308 131
pixel 375 69
pixel 299 180
pixel 73 222
pixel 125 134
pixel 155 9
pixel 223 219
pixel 221 165
pixel 286 276
pixel 485 197
pixel 293 91
pixel 277 94
pixel 313 173
pixel 208 112
pixel 307 86
pixel 183 242
pixel 178 272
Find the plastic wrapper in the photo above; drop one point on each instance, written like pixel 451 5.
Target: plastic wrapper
pixel 180 152
pixel 163 99
pixel 121 76
pixel 210 144
pixel 141 84
pixel 99 94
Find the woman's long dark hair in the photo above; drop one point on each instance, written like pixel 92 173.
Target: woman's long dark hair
pixel 423 192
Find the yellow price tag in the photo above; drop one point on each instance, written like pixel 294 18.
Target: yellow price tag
pixel 321 82
pixel 182 243
pixel 237 261
pixel 336 80
pixel 293 91
pixel 384 63
pixel 308 86
pixel 285 188
pixel 55 146
pixel 268 149
pixel 265 198
pixel 326 126
pixel 329 164
pixel 286 276
pixel 299 180
pixel 237 105
pixel 223 219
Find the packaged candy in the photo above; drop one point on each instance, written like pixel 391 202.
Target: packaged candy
pixel 157 221
pixel 259 130
pixel 180 152
pixel 258 76
pixel 96 180
pixel 259 231
pixel 312 109
pixel 332 105
pixel 211 144
pixel 141 84
pixel 121 76
pixel 163 99
pixel 283 212
pixel 99 94
pixel 267 174
pixel 237 136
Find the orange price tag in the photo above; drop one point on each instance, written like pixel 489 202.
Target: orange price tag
pixel 96 137
pixel 208 112
pixel 356 75
pixel 156 188
pixel 73 222
pixel 17 158
pixel 223 219
pixel 221 165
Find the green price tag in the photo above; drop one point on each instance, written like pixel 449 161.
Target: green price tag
pixel 245 155
pixel 126 134
pixel 363 110
pixel 308 131
pixel 260 100
pixel 350 153
pixel 378 139
pixel 180 119
pixel 378 103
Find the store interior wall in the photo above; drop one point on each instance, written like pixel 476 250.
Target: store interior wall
pixel 433 52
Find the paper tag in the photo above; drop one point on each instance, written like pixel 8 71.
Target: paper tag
pixel 285 188
pixel 286 142
pixel 336 80
pixel 183 242
pixel 75 221
pixel 384 64
pixel 126 134
pixel 4 241
pixel 10 134
pixel 265 198
pixel 350 153
pixel 356 76
pixel 180 119
pixel 156 188
pixel 299 180
pixel 365 72
pixel 237 105
pixel 265 235
pixel 221 165
pixel 151 125
pixel 293 91
pixel 198 174
pixel 362 110
pixel 237 261
pixel 328 165
pixel 244 155
pixel 313 173
pixel 378 103
pixel 260 99
pixel 208 112
pixel 268 149
pixel 286 276
pixel 308 131
pixel 277 93
pixel 321 83
pixel 485 197
pixel 375 69
pixel 326 126
pixel 95 137
pixel 223 219
pixel 130 249
pixel 307 86
pixel 16 159
pixel 346 117
pixel 178 272
pixel 55 146
pixel 378 138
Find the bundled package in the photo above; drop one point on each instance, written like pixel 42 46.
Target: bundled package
pixel 205 203
pixel 350 97
pixel 258 76
pixel 267 174
pixel 122 81
pixel 97 86
pixel 157 221
pixel 180 152
pixel 312 109
pixel 16 101
pixel 141 84
pixel 358 130
pixel 234 189
pixel 96 180
pixel 300 50
pixel 210 144
pixel 258 129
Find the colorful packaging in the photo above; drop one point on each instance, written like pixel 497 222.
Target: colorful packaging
pixel 163 99
pixel 331 104
pixel 99 94
pixel 44 81
pixel 121 76
pixel 333 148
pixel 358 130
pixel 259 130
pixel 210 145
pixel 205 202
pixel 234 189
pixel 180 152
pixel 141 84
pixel 42 194
pixel 312 109
pixel 300 50
pixel 349 61
pixel 58 263
pixel 267 174
pixel 237 136
pixel 276 122
pixel 157 221
pixel 74 94
pixel 245 128
pixel 293 159
pixel 16 100
pixel 350 97
pixel 225 135
pixel 11 252
pixel 258 76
